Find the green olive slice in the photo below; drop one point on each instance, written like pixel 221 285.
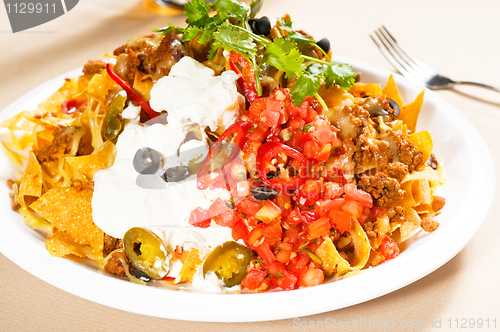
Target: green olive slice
pixel 146 252
pixel 229 262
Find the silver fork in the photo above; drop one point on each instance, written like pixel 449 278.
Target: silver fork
pixel 412 68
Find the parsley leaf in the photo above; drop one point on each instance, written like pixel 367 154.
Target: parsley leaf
pixel 197 13
pixel 163 31
pixel 231 8
pixel 294 35
pixel 307 85
pixel 285 56
pixel 255 7
pixel 230 38
pixel 343 75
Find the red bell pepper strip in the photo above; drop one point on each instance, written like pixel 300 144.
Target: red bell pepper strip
pixel 270 150
pixel 73 105
pixel 246 81
pixel 130 92
pixel 205 179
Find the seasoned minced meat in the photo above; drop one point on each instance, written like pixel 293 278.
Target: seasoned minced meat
pixel 438 203
pixel 110 244
pixel 397 170
pixel 61 144
pixel 114 264
pixel 383 188
pixel 368 151
pixel 409 154
pixel 428 224
pixel 93 67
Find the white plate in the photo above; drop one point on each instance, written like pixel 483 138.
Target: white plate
pixel 469 194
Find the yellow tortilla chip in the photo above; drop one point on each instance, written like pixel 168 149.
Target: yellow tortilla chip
pixel 360 90
pixel 408 199
pixel 332 262
pixel 361 245
pixel 423 141
pixel 409 113
pixel 69 90
pixel 421 192
pixel 190 262
pixel 99 87
pixel 142 85
pixel 58 245
pixel 31 183
pixel 70 211
pixel 411 223
pixel 391 91
pixel 91 164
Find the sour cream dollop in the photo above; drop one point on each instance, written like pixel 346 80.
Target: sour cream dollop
pixel 193 98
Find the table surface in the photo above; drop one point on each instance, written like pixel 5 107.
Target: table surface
pixel 457 37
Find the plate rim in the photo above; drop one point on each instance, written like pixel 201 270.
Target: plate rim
pixel 262 305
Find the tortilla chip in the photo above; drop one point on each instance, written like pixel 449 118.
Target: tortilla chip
pixel 68 90
pixel 31 183
pixel 99 87
pixel 360 90
pixel 391 91
pixel 142 85
pixel 91 164
pixel 409 113
pixel 361 245
pixel 58 245
pixel 411 223
pixel 423 141
pixel 332 262
pixel 426 172
pixel 190 262
pixel 70 211
pixel 421 192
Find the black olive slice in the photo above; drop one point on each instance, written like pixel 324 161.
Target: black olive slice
pixel 146 161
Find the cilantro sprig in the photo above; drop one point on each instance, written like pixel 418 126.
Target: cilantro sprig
pixel 229 29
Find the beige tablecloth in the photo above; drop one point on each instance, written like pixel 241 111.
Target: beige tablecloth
pixel 458 37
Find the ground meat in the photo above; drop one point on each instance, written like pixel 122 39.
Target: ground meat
pixel 407 151
pixel 10 183
pixel 110 244
pixel 368 228
pixel 397 170
pixel 383 188
pixel 171 50
pixel 61 144
pixel 126 65
pixel 396 213
pixel 119 50
pixel 114 264
pixel 15 205
pixel 93 67
pixel 369 151
pixel 438 203
pixel 428 224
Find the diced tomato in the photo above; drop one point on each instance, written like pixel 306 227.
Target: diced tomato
pixel 360 196
pixel 297 140
pixel 324 134
pixel 257 233
pixel 312 277
pixel 294 218
pixel 269 212
pixel 283 256
pixel 276 269
pixel 273 233
pixel 378 212
pixel 315 150
pixel 335 175
pixel 322 207
pixel 389 249
pixel 223 215
pixel 309 216
pixel 289 281
pixel 265 252
pixel 340 220
pixel 296 123
pixel 364 215
pixel 284 201
pixel 318 228
pixel 312 115
pixel 299 264
pixel 310 191
pixel 331 190
pixel 292 235
pixel 300 112
pixel 240 231
pixel 200 218
pixel 257 132
pixel 353 208
pixel 253 279
pixel 270 118
pixel 248 207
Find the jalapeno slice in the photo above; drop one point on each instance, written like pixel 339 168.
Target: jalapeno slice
pixel 229 262
pixel 113 118
pixel 146 252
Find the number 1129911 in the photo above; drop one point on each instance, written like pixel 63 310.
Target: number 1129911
pixel 30 8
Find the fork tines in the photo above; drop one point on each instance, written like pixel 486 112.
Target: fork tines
pixel 399 57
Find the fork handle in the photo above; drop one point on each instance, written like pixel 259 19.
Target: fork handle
pixel 477 84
